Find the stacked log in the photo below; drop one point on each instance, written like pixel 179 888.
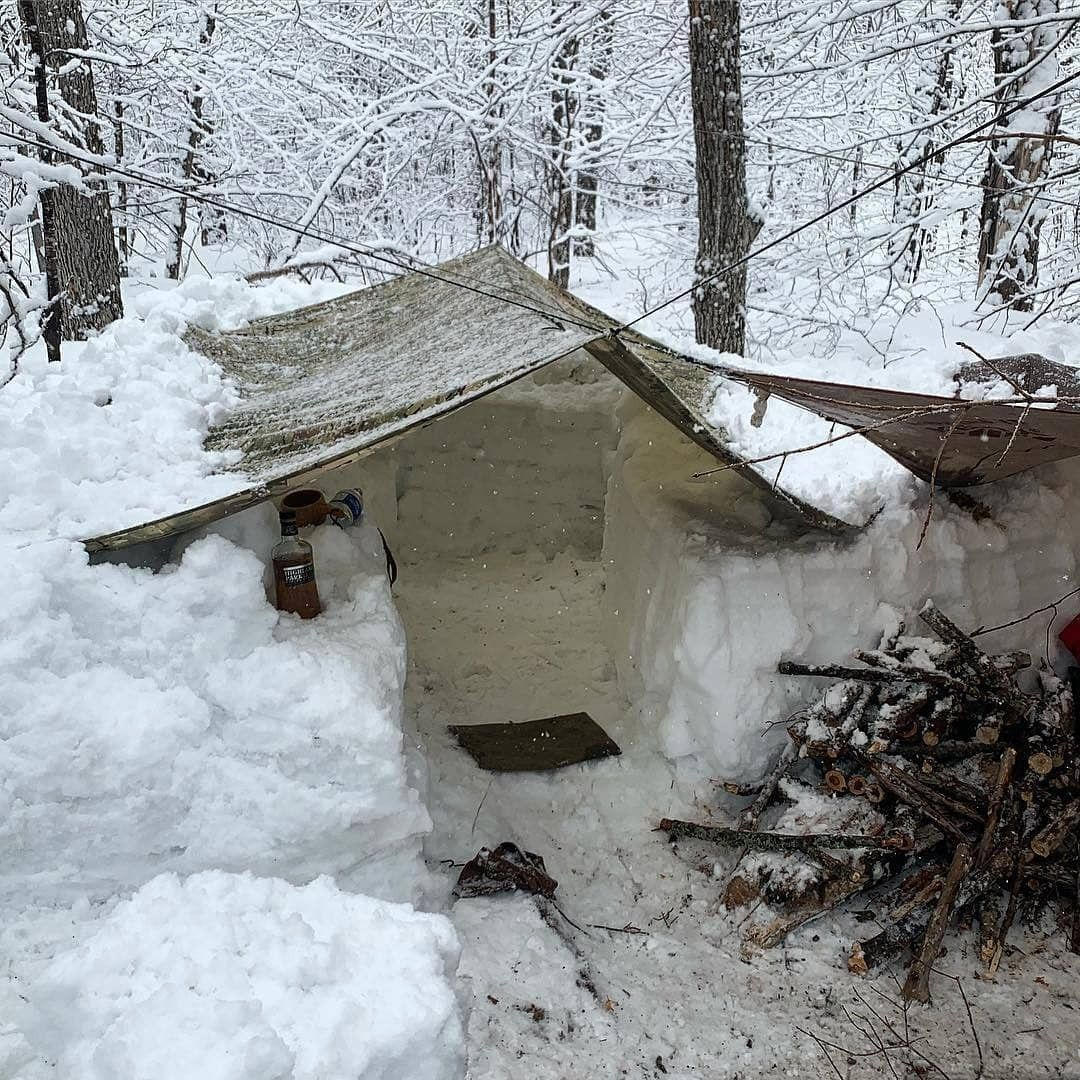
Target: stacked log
pixel 959 790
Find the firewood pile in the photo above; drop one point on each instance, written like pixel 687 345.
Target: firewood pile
pixel 928 784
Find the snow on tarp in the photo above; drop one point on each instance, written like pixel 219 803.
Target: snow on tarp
pixel 326 384
pixel 957 441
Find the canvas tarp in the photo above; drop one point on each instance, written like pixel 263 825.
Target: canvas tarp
pixel 956 441
pixel 327 384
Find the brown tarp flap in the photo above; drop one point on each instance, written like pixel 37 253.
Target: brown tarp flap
pixel 972 442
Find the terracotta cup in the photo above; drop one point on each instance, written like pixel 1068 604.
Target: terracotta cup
pixel 310 506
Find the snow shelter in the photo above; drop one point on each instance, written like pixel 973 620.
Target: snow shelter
pixel 325 386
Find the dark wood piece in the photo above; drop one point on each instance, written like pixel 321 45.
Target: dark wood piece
pixel 928 803
pixel 917 986
pixel 753 813
pixel 1050 837
pixel 536 745
pixel 839 671
pixel 996 688
pixel 997 799
pixel 835 780
pixel 506 869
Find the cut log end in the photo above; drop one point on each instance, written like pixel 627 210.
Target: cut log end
pixel 1041 763
pixel 835 780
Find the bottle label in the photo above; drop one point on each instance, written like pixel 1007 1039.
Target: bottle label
pixel 298 575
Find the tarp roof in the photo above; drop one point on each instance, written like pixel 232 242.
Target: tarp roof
pixel 327 384
pixel 957 441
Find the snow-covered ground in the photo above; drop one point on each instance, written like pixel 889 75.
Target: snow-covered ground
pixel 653 979
pixel 213 824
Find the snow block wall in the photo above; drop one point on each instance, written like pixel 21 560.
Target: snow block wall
pixel 702 606
pixel 519 470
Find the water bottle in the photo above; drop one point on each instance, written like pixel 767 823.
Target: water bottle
pixel 347 508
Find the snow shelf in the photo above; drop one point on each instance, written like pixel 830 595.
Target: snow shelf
pixel 174 723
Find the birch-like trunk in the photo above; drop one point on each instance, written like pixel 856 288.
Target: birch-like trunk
pixel 190 169
pixel 1025 61
pixel 564 108
pixel 588 182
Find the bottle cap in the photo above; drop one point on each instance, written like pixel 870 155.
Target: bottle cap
pixel 288 520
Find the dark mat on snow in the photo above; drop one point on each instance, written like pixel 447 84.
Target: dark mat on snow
pixel 535 745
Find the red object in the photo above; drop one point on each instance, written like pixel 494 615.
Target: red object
pixel 1070 637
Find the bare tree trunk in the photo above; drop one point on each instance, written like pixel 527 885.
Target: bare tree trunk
pixel 122 240
pixel 491 160
pixel 80 255
pixel 587 180
pixel 921 197
pixel 189 168
pixel 1011 218
pixel 564 108
pixel 724 226
pixel 50 328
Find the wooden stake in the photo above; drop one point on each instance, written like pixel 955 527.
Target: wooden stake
pixel 997 798
pixel 770 841
pixel 917 986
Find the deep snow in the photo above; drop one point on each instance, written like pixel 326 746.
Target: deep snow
pixel 224 976
pixel 654 979
pixel 168 723
pixel 178 761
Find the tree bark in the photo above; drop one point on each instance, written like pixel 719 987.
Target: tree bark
pixel 78 226
pixel 917 986
pixel 122 238
pixel 1011 219
pixel 771 841
pixel 724 225
pixel 50 327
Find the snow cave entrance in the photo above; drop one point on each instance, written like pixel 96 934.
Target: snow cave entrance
pixel 519 526
pixel 495 514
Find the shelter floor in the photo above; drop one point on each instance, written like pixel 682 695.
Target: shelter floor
pixel 664 992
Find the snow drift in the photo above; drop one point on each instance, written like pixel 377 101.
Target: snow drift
pixel 173 723
pixel 233 977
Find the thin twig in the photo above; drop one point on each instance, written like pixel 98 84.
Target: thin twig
pixel 481 806
pixel 971 1021
pixel 821 1047
pixel 997 371
pixel 933 478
